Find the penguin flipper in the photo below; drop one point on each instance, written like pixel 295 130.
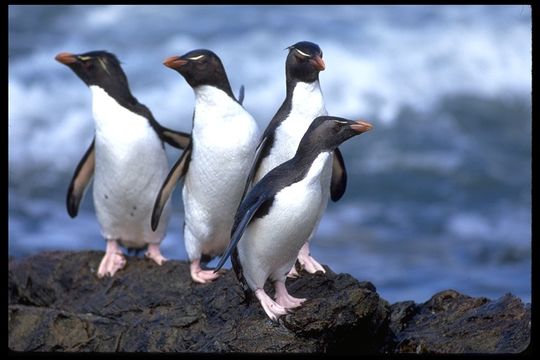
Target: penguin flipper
pixel 241 94
pixel 81 177
pixel 177 139
pixel 177 172
pixel 339 176
pixel 255 164
pixel 244 215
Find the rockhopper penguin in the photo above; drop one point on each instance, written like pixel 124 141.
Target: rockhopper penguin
pixel 126 158
pixel 279 213
pixel 303 102
pixel 215 164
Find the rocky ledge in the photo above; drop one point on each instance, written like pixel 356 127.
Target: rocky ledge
pixel 57 303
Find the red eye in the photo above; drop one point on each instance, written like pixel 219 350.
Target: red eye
pixel 201 64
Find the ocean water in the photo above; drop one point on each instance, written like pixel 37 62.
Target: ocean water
pixel 439 192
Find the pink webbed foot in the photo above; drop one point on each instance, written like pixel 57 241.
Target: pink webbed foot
pixel 112 261
pixel 285 299
pixel 308 262
pixel 154 253
pixel 202 276
pixel 271 308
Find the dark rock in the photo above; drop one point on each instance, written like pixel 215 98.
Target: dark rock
pixel 451 322
pixel 57 303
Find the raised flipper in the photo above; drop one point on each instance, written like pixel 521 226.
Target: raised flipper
pixel 79 182
pixel 241 95
pixel 339 176
pixel 177 139
pixel 177 172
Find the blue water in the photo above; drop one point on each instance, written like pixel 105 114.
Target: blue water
pixel 439 193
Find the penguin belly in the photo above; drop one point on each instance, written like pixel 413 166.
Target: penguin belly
pixel 270 245
pixel 223 149
pixel 131 166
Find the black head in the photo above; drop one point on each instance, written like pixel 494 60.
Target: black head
pixel 99 68
pixel 200 67
pixel 326 133
pixel 304 62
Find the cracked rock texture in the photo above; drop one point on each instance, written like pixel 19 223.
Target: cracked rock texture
pixel 57 303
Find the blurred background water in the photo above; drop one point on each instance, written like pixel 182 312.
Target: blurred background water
pixel 439 193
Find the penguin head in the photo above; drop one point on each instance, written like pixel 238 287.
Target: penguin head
pixel 200 67
pixel 304 61
pixel 326 133
pixel 99 68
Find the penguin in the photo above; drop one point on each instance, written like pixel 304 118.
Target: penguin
pixel 216 163
pixel 126 158
pixel 279 213
pixel 303 102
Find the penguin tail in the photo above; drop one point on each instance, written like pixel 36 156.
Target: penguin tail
pixel 249 296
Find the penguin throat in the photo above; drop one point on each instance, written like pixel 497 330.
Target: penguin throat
pixel 208 95
pixel 317 166
pixel 296 86
pixel 307 101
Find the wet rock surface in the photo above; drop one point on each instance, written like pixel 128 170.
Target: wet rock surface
pixel 57 303
pixel 451 322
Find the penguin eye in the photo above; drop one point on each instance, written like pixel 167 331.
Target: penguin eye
pixel 87 63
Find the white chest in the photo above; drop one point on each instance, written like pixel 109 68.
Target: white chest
pixel 118 127
pixel 304 194
pixel 128 150
pixel 307 104
pixel 220 122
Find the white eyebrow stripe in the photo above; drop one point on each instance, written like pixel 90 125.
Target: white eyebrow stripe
pixel 196 57
pixel 303 53
pixel 84 58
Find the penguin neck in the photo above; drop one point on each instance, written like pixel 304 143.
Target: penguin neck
pixel 318 162
pixel 114 121
pixel 222 85
pixel 120 93
pixel 208 95
pixel 294 85
pixel 311 161
pixel 306 100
